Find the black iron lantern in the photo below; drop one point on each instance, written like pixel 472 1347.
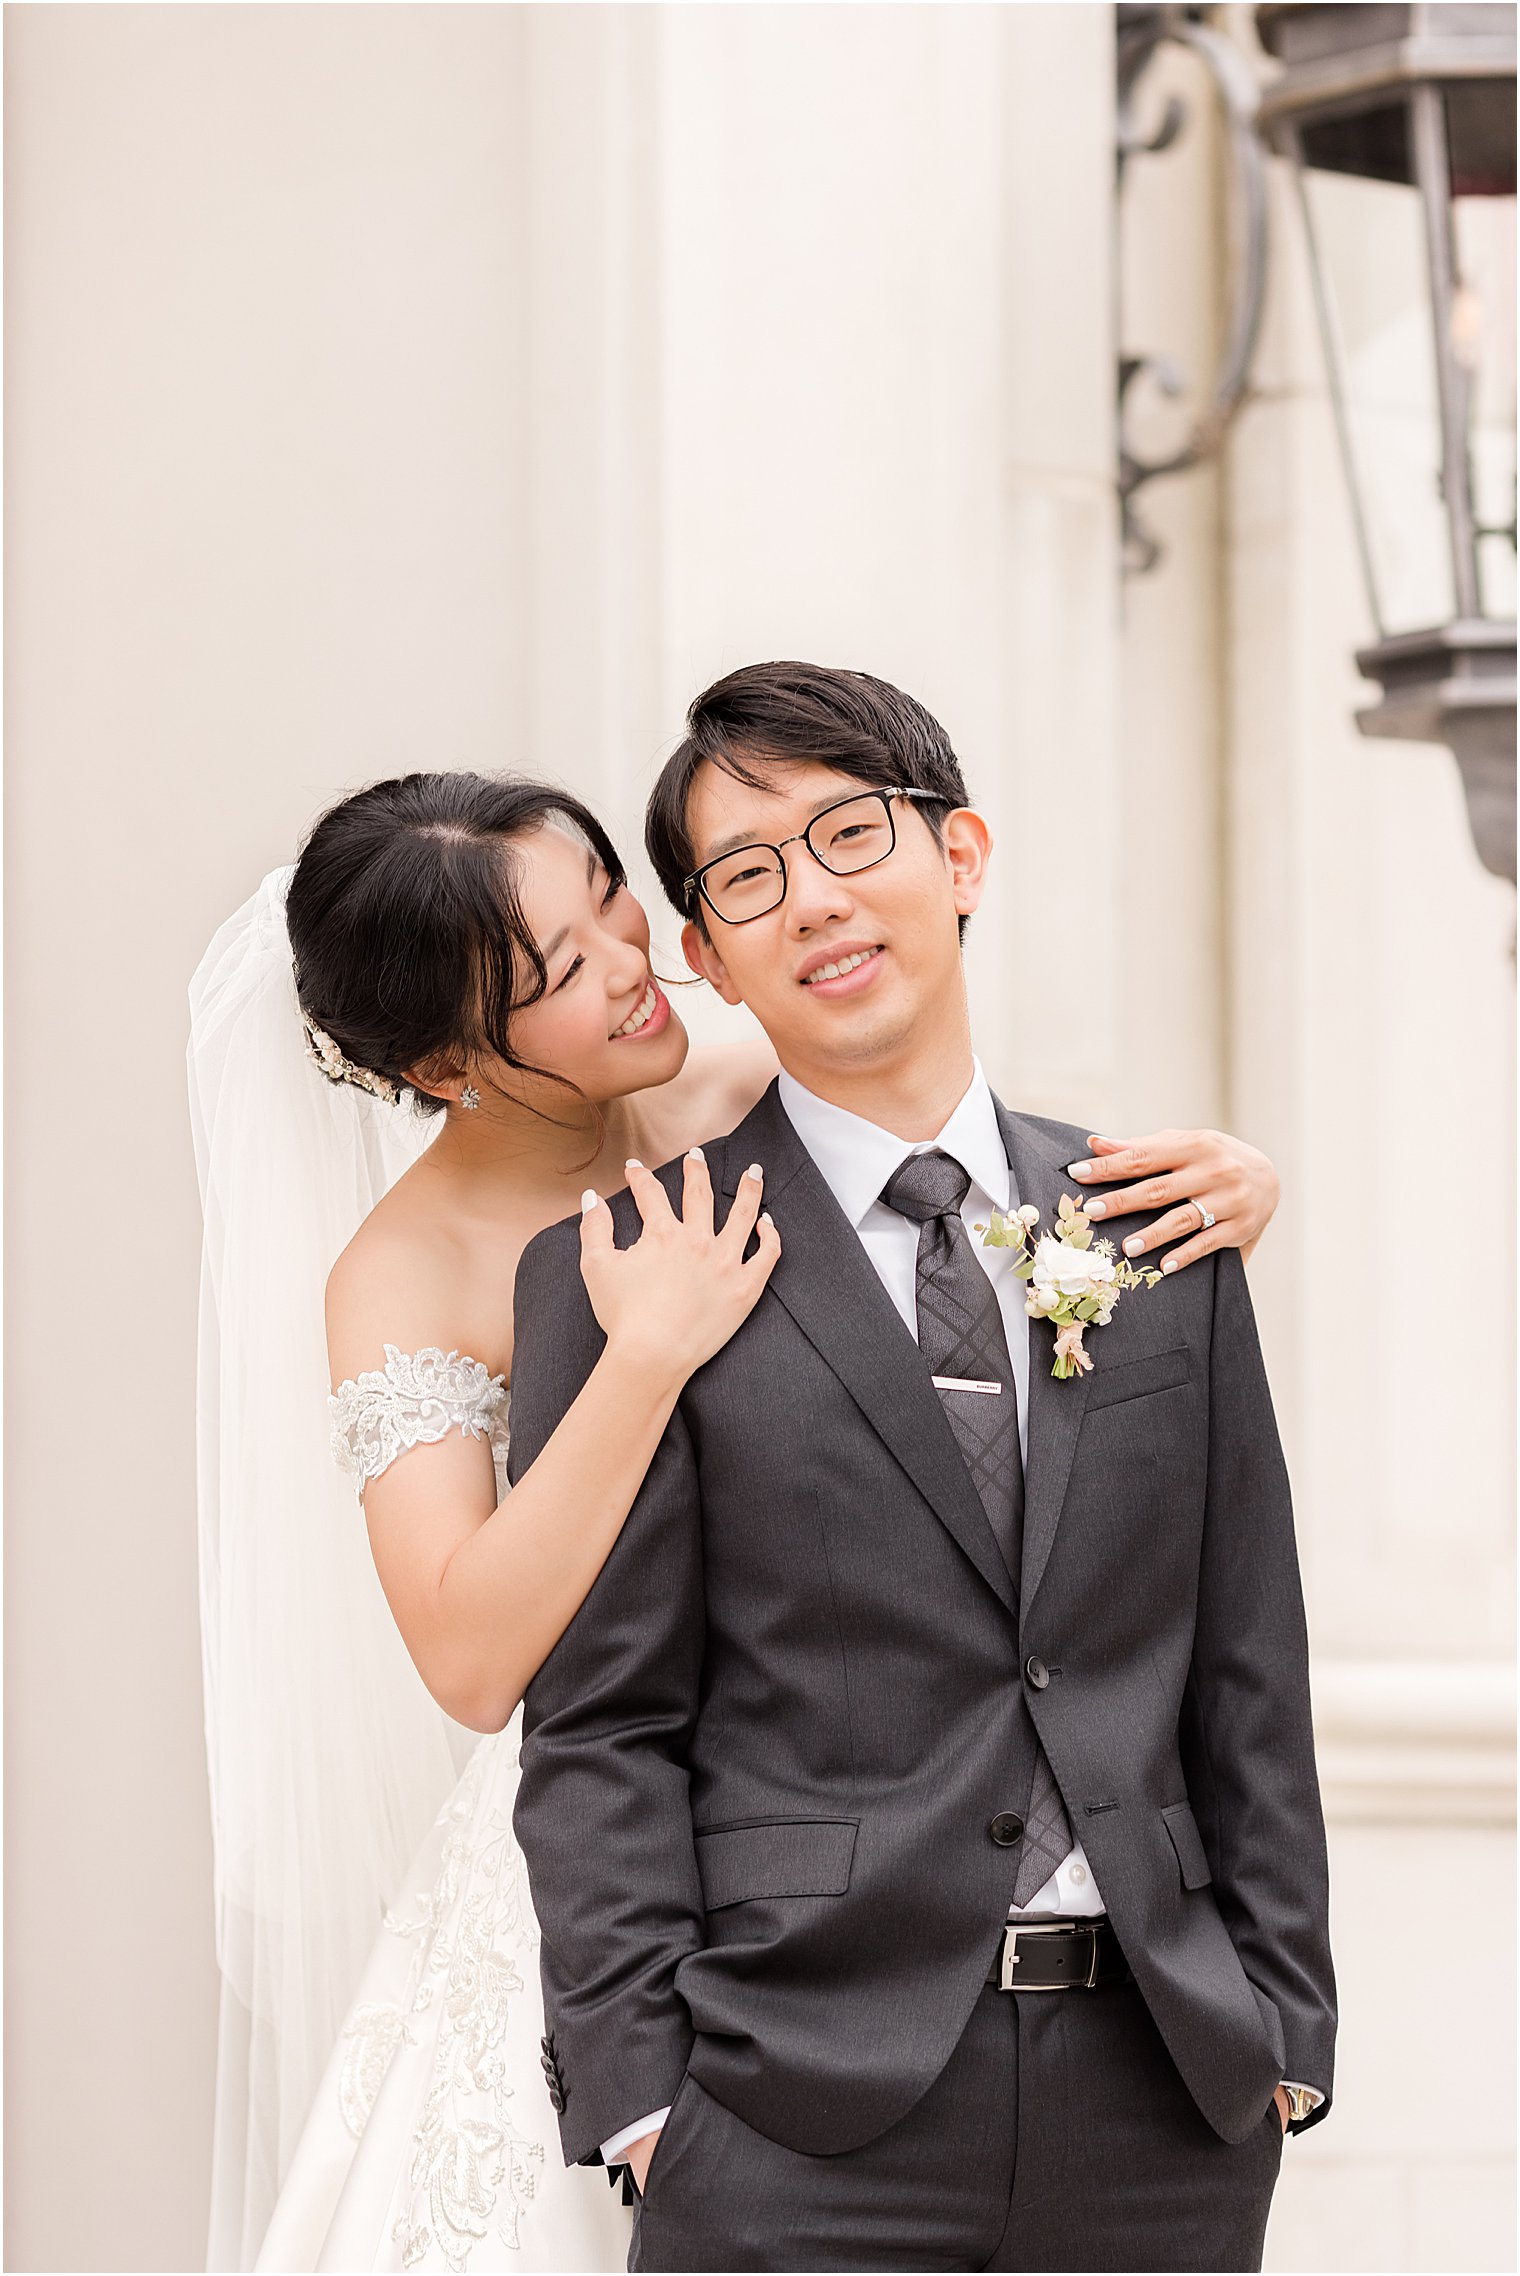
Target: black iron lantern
pixel 1400 124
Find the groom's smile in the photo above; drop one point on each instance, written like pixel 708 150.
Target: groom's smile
pixel 842 969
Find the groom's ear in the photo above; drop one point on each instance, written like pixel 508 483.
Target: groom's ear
pixel 967 842
pixel 706 962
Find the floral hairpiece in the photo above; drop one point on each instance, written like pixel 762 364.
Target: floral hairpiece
pixel 324 1053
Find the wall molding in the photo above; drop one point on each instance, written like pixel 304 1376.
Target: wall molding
pixel 1416 1742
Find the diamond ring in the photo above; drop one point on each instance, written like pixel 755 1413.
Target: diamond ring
pixel 1209 1219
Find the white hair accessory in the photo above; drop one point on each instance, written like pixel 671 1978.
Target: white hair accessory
pixel 324 1053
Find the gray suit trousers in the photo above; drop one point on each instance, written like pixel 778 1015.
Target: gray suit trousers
pixel 1059 2136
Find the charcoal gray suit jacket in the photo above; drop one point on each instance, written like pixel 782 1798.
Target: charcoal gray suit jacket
pixel 760 1768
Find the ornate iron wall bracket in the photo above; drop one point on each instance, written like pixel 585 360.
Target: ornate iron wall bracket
pixel 1143 30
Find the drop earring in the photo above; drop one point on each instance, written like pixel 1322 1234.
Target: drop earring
pixel 469 1098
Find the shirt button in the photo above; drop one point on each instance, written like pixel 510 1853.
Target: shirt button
pixel 1077 1873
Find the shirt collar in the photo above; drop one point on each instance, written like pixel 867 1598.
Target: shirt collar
pixel 857 1157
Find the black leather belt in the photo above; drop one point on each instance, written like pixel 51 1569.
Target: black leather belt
pixel 1064 1955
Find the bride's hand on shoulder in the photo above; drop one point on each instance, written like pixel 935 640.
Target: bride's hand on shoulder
pixel 682 1288
pixel 1191 1175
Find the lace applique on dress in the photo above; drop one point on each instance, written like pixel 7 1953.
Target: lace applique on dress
pixel 468 1933
pixel 472 2171
pixel 416 1399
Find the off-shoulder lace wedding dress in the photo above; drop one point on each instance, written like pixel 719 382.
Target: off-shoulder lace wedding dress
pixel 432 2144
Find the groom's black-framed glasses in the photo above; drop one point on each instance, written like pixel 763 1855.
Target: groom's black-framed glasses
pixel 854 833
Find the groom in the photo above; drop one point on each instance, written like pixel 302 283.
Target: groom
pixel 921 1810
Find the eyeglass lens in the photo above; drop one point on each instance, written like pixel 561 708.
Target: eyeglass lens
pixel 752 880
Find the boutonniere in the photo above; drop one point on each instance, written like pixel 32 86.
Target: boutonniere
pixel 1074 1281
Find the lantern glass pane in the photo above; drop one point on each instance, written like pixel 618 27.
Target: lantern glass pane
pixel 1371 243
pixel 1483 338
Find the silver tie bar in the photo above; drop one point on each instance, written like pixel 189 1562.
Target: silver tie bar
pixel 962 1383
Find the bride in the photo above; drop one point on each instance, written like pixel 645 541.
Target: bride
pixel 460 958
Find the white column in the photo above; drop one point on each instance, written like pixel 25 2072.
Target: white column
pixel 588 443
pixel 1372 1007
pixel 263 286
pixel 1170 815
pixel 886 437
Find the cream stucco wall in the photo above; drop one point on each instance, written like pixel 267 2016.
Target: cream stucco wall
pixel 467 385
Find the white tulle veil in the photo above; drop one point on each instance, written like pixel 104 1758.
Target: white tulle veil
pixel 327 1758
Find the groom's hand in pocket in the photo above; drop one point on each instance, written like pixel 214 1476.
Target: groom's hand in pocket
pixel 639 2154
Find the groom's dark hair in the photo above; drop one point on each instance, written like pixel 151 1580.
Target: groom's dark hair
pixel 789 715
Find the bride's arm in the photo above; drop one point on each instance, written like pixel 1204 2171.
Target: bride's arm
pixel 1194 1170
pixel 1197 1171
pixel 482 1593
pixel 1203 1173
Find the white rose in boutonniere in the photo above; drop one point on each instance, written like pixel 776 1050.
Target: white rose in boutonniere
pixel 1063 1270
pixel 1074 1281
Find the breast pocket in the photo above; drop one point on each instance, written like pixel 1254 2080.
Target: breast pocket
pixel 1137 1378
pixel 776 1857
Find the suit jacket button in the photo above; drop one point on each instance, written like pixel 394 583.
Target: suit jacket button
pixel 1007 1828
pixel 556 2099
pixel 1037 1672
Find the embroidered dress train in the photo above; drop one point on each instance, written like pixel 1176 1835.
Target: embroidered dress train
pixel 431 2144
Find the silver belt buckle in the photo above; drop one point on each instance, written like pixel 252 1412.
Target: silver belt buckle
pixel 1010 1959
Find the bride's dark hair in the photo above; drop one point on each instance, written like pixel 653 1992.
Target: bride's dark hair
pixel 411 948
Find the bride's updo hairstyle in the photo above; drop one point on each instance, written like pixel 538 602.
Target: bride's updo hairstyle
pixel 410 945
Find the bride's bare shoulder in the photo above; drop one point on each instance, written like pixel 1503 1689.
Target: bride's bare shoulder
pixel 413 1277
pixel 725 1080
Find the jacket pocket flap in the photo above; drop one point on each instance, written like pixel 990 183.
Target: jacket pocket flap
pixel 1133 1378
pixel 789 1857
pixel 1181 1824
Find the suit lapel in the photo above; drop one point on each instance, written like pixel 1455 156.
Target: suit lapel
pixel 1055 1409
pixel 829 1286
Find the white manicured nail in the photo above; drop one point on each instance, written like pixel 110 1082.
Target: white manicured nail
pixel 1079 1169
pixel 588 1200
pixel 1133 1245
pixel 1169 1264
pixel 754 1171
pixel 1094 1208
pixel 695 1154
pixel 633 1163
pixel 766 1218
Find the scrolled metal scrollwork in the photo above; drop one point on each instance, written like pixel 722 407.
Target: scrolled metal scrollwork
pixel 1142 31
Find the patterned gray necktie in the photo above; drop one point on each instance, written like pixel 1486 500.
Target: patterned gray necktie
pixel 960 1333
